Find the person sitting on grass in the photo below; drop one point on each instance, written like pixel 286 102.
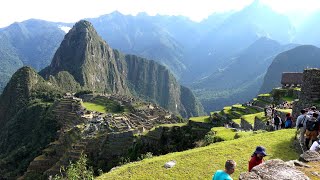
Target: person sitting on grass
pixel 230 166
pixel 257 157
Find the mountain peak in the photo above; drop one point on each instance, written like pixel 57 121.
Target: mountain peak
pixel 88 58
pixel 83 24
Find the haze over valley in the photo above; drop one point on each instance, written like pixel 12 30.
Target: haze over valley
pixel 102 84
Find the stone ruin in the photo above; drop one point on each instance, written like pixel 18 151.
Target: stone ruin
pixel 291 79
pixel 310 91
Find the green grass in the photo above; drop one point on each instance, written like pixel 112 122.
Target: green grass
pixel 94 107
pixel 228 134
pixel 264 95
pixel 200 163
pixel 103 105
pixel 238 106
pixel 204 119
pixel 285 110
pixel 250 117
pixel 238 121
pixel 288 99
pixel 171 125
pixel 297 89
pixel 214 112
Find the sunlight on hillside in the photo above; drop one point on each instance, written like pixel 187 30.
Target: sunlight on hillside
pixel 200 163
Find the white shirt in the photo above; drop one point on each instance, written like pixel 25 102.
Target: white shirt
pixel 315 146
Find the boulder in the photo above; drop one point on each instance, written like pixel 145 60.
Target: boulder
pixel 298 163
pixel 170 164
pixel 308 156
pixel 274 169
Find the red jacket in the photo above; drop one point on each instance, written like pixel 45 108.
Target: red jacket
pixel 254 161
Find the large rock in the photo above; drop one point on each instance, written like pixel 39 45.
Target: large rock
pixel 310 156
pixel 274 169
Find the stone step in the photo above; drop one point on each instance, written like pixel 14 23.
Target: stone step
pixel 75 152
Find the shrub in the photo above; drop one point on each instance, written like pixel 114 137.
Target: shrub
pixel 77 170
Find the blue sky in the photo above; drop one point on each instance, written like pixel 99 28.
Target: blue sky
pixel 74 10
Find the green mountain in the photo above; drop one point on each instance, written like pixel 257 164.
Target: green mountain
pixel 241 79
pixel 30 43
pixel 86 58
pixel 26 123
pixel 294 60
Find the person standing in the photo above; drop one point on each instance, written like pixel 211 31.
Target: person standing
pixel 311 129
pixel 276 121
pixel 288 121
pixel 257 157
pixel 301 125
pixel 230 166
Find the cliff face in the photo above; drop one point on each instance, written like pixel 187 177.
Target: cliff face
pixel 88 59
pixel 87 62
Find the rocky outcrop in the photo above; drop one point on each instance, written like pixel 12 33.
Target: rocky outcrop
pixel 310 156
pixel 89 60
pixel 259 124
pixel 274 169
pixel 245 125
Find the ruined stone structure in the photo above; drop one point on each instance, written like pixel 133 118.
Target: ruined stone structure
pixel 291 79
pixel 310 90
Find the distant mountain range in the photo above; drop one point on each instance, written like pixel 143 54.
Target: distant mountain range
pixel 241 79
pixel 30 43
pixel 197 54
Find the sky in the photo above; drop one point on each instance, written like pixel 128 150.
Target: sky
pixel 74 10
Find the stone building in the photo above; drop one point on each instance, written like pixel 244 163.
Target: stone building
pixel 291 79
pixel 310 91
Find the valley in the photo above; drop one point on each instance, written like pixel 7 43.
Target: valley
pixel 140 95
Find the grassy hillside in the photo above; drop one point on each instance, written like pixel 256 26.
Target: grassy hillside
pixel 200 163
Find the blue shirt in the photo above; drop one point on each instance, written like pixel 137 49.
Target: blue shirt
pixel 221 175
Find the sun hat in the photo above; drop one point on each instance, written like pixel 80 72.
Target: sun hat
pixel 260 150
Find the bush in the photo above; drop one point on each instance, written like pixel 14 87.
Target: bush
pixel 77 170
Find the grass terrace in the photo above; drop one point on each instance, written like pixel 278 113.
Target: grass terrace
pixel 264 95
pixel 288 99
pixel 285 110
pixel 250 117
pixel 200 163
pixel 238 121
pixel 171 125
pixel 103 105
pixel 238 106
pixel 204 119
pixel 94 107
pixel 226 134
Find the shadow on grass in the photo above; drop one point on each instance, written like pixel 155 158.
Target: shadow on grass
pixel 286 150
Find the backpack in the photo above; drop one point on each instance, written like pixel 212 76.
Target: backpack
pixel 311 125
pixel 276 121
pixel 288 123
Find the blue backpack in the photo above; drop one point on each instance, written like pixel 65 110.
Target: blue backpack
pixel 288 123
